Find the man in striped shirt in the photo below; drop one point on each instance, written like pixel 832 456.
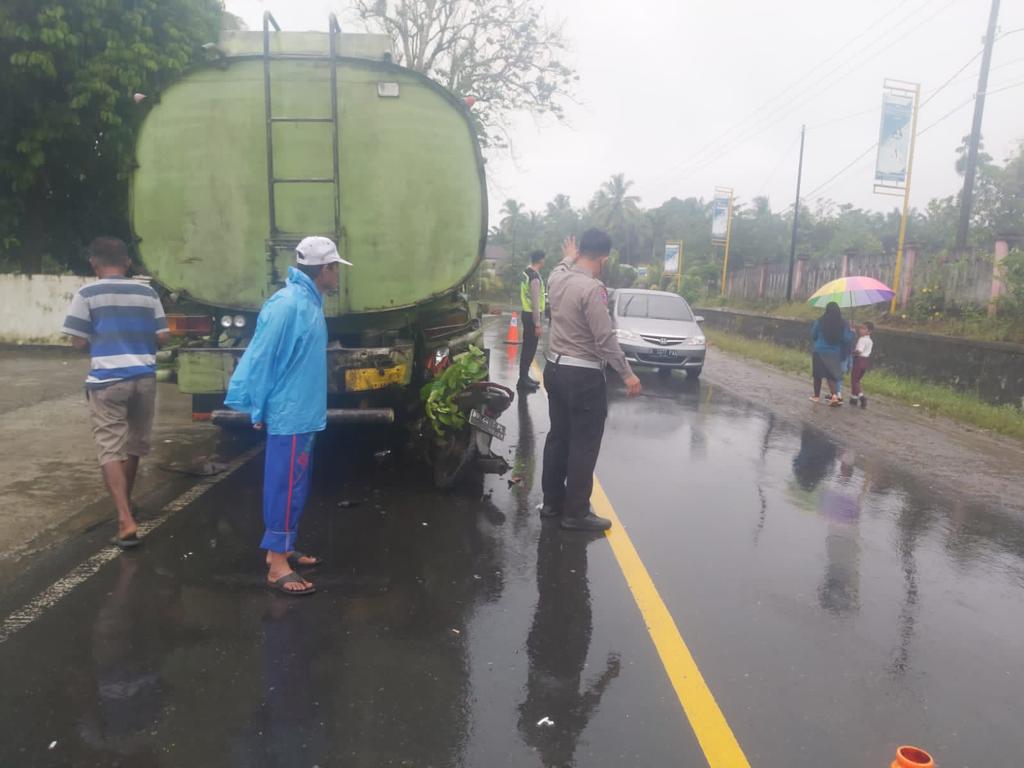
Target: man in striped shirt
pixel 121 322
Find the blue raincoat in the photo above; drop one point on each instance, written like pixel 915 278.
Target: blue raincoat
pixel 281 379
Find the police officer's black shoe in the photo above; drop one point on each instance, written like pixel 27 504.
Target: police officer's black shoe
pixel 549 510
pixel 589 522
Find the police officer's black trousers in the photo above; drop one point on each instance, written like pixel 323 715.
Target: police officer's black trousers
pixel 577 406
pixel 529 350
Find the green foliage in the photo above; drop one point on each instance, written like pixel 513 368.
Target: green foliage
pixel 926 303
pixel 439 394
pixel 501 52
pixel 67 129
pixel 1013 278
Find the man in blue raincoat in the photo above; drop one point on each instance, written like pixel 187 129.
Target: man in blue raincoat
pixel 281 382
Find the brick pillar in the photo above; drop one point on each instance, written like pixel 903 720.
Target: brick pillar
pixel 907 276
pixel 845 264
pixel 998 288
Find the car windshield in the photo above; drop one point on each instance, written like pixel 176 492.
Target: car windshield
pixel 654 307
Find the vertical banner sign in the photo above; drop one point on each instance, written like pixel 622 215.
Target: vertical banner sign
pixel 673 258
pixel 721 227
pixel 894 139
pixel 720 216
pixel 895 166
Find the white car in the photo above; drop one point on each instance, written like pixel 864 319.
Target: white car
pixel 658 329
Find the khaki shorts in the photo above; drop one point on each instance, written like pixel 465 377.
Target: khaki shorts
pixel 122 418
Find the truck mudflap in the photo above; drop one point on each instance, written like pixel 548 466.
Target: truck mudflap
pixel 207 370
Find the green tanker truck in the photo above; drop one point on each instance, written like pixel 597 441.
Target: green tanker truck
pixel 290 134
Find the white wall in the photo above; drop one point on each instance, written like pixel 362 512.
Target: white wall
pixel 33 307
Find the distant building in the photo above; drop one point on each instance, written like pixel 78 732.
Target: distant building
pixel 495 257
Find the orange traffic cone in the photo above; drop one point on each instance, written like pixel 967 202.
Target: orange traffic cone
pixel 513 330
pixel 912 757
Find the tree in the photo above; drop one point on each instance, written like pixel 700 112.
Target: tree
pixel 619 212
pixel 513 211
pixel 500 52
pixel 67 130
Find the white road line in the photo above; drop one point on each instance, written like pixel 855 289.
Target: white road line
pixel 61 588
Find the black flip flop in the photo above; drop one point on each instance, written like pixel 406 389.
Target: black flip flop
pixel 290 578
pixel 131 541
pixel 294 557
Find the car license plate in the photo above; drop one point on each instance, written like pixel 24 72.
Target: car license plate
pixel 364 379
pixel 486 424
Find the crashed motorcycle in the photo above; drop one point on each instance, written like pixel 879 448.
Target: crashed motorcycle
pixel 464 455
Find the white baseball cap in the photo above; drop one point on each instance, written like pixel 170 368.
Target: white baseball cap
pixel 315 251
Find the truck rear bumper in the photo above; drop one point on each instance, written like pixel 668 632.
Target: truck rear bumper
pixel 207 370
pixel 335 417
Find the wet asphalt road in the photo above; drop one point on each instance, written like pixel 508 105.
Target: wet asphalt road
pixel 836 609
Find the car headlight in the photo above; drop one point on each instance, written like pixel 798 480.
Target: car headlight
pixel 239 321
pixel 699 340
pixel 623 334
pixel 225 322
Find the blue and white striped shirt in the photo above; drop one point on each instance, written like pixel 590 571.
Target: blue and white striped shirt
pixel 121 318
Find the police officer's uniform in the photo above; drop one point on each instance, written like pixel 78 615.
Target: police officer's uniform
pixel 582 343
pixel 531 292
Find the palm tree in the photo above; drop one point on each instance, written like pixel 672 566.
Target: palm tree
pixel 513 211
pixel 618 211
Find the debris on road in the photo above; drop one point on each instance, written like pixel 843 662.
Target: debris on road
pixel 546 721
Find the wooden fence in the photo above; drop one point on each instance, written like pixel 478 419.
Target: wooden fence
pixel 972 279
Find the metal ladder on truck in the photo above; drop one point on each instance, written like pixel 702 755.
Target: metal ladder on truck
pixel 280 241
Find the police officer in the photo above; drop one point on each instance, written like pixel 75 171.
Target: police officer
pixel 532 298
pixel 582 344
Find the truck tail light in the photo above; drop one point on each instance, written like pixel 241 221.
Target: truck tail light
pixel 438 360
pixel 190 325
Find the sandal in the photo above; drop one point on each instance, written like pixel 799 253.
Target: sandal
pixel 296 556
pixel 130 541
pixel 290 578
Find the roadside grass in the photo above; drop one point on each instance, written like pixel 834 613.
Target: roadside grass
pixel 941 401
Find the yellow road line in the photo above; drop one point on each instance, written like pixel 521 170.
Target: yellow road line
pixel 713 733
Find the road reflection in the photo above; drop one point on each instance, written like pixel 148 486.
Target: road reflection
pixel 559 704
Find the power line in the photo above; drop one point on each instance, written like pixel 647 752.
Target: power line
pixel 782 160
pixel 946 116
pixel 847 167
pixel 739 124
pixel 957 108
pixel 783 110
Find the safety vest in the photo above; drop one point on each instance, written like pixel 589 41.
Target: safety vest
pixel 524 291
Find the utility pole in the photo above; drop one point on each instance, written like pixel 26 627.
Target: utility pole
pixel 796 216
pixel 970 169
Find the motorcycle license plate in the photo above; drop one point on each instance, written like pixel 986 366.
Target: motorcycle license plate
pixel 486 424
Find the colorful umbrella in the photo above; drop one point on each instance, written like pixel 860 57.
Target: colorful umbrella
pixel 858 291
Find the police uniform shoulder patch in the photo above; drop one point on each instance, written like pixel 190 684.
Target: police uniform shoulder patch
pixel 603 293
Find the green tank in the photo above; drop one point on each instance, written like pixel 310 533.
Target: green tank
pixel 410 190
pixel 284 135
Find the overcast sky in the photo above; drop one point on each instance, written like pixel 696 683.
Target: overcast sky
pixel 661 80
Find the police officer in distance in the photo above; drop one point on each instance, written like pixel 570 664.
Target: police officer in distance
pixel 581 345
pixel 532 300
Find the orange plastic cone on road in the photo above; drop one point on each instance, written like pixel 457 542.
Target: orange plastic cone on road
pixel 912 757
pixel 513 330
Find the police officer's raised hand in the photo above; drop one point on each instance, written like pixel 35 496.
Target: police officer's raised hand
pixel 633 386
pixel 569 249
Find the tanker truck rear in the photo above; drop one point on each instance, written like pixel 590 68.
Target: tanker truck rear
pixel 285 135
